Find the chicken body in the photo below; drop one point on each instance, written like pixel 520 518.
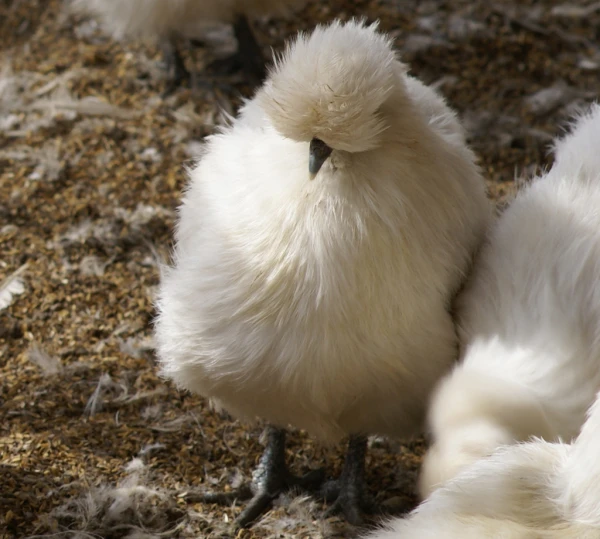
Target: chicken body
pixel 319 244
pixel 156 19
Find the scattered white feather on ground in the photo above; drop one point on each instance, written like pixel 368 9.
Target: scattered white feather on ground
pixel 12 286
pixel 48 364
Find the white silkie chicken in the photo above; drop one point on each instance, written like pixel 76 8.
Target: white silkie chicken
pixel 165 21
pixel 535 490
pixel 319 244
pixel 529 319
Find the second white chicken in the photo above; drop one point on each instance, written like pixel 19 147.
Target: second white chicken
pixel 535 490
pixel 529 319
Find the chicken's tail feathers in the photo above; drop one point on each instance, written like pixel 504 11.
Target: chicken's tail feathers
pixel 578 152
pixel 578 481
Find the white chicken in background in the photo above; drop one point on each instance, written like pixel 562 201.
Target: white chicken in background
pixel 535 490
pixel 319 244
pixel 529 319
pixel 165 21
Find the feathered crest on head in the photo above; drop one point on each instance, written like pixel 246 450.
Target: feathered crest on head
pixel 331 84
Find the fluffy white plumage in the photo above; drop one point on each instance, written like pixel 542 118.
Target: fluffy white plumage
pixel 165 19
pixel 535 490
pixel 529 319
pixel 324 304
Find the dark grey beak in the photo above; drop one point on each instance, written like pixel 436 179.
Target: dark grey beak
pixel 318 154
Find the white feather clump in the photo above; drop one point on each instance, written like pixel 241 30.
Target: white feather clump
pixel 324 303
pixel 535 490
pixel 12 286
pixel 529 319
pixel 167 19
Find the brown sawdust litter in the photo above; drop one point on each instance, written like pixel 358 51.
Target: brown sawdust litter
pixel 87 200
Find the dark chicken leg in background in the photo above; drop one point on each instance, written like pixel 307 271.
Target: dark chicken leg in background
pixel 248 58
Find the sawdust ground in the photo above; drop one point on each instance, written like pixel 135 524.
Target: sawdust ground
pixel 91 166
